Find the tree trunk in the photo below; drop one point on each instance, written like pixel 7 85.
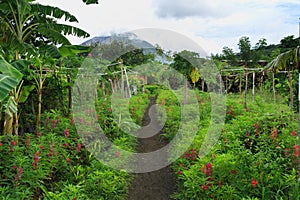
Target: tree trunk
pixel 240 86
pixel 16 124
pixel 39 110
pixel 185 91
pixel 8 124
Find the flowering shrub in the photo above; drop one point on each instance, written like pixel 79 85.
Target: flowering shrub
pixel 256 157
pixel 54 164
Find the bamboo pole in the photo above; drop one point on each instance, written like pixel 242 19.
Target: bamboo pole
pixel 246 86
pixel 253 85
pixel 273 87
pixel 127 82
pixel 122 79
pixel 291 91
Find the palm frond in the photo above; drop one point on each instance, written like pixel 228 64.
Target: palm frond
pixel 286 61
pixel 54 12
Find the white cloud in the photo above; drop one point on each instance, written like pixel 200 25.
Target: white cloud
pixel 213 24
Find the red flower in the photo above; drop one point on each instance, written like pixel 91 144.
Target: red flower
pixel 15 167
pixel 36 157
pixel 0 144
pixel 294 133
pixel 54 122
pixel 117 154
pixel 51 152
pixel 254 182
pixel 208 166
pixel 66 145
pixel 181 165
pixel 187 155
pixel 179 172
pixel 208 170
pixel 194 154
pixel 233 172
pixel 78 147
pixel 35 160
pixel 286 151
pixel 82 121
pixel 41 147
pixel 66 132
pixel 14 143
pixel 68 159
pixel 204 187
pixel 296 152
pixel 274 134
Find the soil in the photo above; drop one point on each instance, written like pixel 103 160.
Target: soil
pixel 154 185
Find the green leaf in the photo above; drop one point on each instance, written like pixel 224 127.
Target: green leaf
pixel 52 51
pixel 87 2
pixel 54 35
pixel 71 50
pixel 10 106
pixel 8 69
pixel 25 93
pixel 7 83
pixel 21 65
pixel 9 78
pixel 53 12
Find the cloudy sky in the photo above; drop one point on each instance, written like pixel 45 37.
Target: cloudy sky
pixel 211 24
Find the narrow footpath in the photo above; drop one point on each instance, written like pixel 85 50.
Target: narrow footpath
pixel 155 185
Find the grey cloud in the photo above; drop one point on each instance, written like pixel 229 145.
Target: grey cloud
pixel 190 8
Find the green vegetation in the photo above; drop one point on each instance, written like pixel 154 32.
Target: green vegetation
pixel 43 157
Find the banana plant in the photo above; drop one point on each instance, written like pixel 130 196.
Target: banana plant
pixel 25 26
pixel 10 78
pixel 46 58
pixel 287 61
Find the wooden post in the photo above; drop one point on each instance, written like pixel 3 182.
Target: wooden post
pixel 273 87
pixel 253 85
pixel 246 86
pixel 127 82
pixel 70 93
pixel 291 91
pixel 240 86
pixel 122 79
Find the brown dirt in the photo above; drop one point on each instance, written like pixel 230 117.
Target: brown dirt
pixel 155 185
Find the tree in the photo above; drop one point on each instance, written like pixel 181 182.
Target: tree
pixel 287 61
pixel 261 44
pixel 245 54
pixel 184 62
pixel 24 28
pixel 195 76
pixel 229 55
pixel 245 49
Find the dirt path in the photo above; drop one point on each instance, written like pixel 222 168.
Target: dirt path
pixel 155 185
